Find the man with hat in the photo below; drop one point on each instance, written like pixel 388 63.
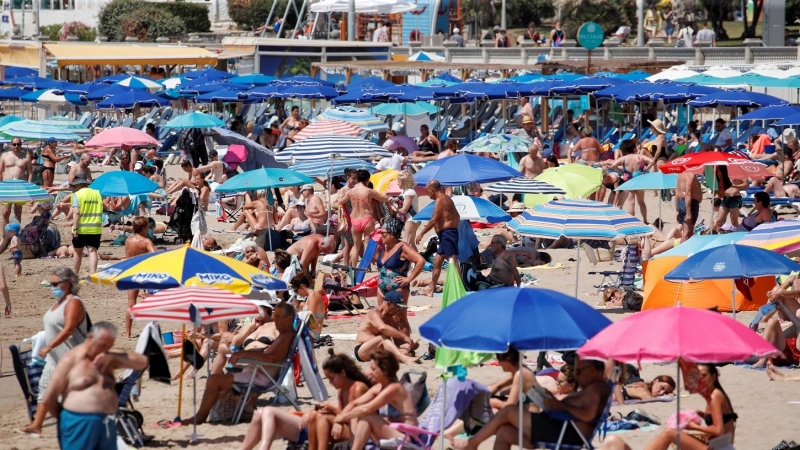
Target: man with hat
pixel 529 130
pixel 315 209
pixel 386 327
pixel 457 38
pixel 87 222
pixel 15 164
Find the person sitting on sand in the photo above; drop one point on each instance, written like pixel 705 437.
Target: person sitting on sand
pixel 504 270
pixel 315 426
pixel 276 353
pixel 385 402
pixel 394 261
pixel 635 388
pixel 585 405
pixel 788 340
pixel 775 374
pixel 386 327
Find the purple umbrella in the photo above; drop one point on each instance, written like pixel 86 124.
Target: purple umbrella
pixel 401 141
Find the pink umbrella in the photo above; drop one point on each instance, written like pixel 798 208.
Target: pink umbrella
pixel 401 141
pixel 119 136
pixel 329 126
pixel 666 334
pixel 236 155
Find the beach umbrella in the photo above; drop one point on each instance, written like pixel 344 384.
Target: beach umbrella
pixel 111 79
pixel 194 120
pixel 45 96
pixel 691 160
pixel 13 93
pixel 370 83
pixel 322 147
pixel 35 130
pixel 198 89
pixel 213 74
pixel 264 179
pixel 740 99
pixel 5 120
pixel 222 95
pixel 253 79
pixel 522 185
pixel 438 82
pixel 673 73
pixel 577 180
pixel 131 99
pixel 19 192
pixel 331 167
pixel 587 85
pixel 378 95
pixel 780 237
pixel 674 92
pixel 14 72
pixel 623 93
pixel 119 136
pixel 328 126
pixel 578 219
pixel 358 117
pixel 426 56
pixel 422 93
pixel 258 156
pixel 460 170
pixel 753 170
pixel 699 242
pixel 398 109
pixel 498 143
pixel 732 262
pixel 474 209
pixel 141 83
pixel 67 123
pixel 470 90
pixel 30 82
pixel 791 120
pixel 185 266
pixel 121 183
pixel 401 140
pixel 768 113
pixel 653 181
pixel 302 80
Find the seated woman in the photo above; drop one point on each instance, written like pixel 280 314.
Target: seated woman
pixel 296 221
pixel 761 213
pixel 317 425
pixel 189 181
pixel 635 388
pixel 254 255
pixel 786 341
pixel 509 362
pixel 256 334
pixel 309 300
pixel 386 401
pixel 31 234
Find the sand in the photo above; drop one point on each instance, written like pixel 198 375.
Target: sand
pixel 766 409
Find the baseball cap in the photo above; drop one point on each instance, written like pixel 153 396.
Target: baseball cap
pixel 394 297
pixel 50 140
pixel 13 226
pixel 307 186
pixel 496 27
pixel 138 165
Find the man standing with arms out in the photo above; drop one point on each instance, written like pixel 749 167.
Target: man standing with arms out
pixel 87 222
pixel 137 244
pixel 445 220
pixel 15 164
pixel 688 196
pixel 84 379
pixel 532 164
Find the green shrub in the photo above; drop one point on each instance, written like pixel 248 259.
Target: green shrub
pixel 53 32
pixel 253 13
pixel 150 22
pixel 79 29
pixel 111 16
pixel 193 15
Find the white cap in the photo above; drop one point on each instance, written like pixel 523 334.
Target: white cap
pixel 456 30
pixel 264 303
pixel 307 186
pixel 303 204
pixel 138 165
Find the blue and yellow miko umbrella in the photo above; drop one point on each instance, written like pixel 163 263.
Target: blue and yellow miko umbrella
pixel 188 267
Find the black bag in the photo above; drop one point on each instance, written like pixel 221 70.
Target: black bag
pixel 181 220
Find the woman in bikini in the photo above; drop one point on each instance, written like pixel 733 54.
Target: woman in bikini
pixel 661 154
pixel 302 285
pixel 49 161
pixel 635 388
pixel 632 165
pixel 428 143
pixel 362 217
pixel 385 402
pixel 760 214
pixel 257 334
pixel 291 126
pixel 393 261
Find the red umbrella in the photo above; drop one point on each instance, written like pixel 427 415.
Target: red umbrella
pixel 684 162
pixel 752 170
pixel 197 306
pixel 329 126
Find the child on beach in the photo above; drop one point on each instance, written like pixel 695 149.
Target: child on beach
pixel 11 232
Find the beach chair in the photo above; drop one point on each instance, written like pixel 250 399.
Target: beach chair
pixel 356 274
pixel 129 420
pixel 275 385
pixel 341 292
pixel 27 374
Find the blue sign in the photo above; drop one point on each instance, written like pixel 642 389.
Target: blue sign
pixel 591 35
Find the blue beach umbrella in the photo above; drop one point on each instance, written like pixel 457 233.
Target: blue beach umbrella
pixel 223 95
pixel 323 147
pixel 370 83
pixel 141 83
pixel 13 93
pixel 302 80
pixel 121 183
pixel 30 82
pixel 253 79
pixel 746 99
pixel 460 170
pixel 397 109
pixel 200 89
pixel 794 119
pixel 767 113
pixel 14 72
pixel 378 95
pixel 211 74
pixel 194 120
pixel 264 179
pixel 474 209
pixel 127 100
pixel 19 192
pixel 674 92
pixel 587 85
pixel 307 91
pixel 106 91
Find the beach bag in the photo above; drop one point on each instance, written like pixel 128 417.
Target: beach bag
pixel 418 389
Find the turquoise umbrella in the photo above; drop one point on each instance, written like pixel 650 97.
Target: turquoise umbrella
pixel 121 183
pixel 653 181
pixel 264 179
pixel 195 120
pixel 396 109
pixel 499 143
pixel 20 192
pixel 33 130
pixel 5 120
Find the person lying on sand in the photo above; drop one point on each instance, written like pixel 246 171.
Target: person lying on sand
pixel 635 388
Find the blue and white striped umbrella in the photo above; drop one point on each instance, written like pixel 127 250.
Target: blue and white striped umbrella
pixel 522 185
pixel 578 219
pixel 498 143
pixel 324 146
pixel 474 209
pixel 33 130
pixel 141 83
pixel 69 124
pixel 331 167
pixel 358 117
pixel 20 192
pixel 45 96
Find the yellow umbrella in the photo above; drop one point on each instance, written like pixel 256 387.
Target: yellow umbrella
pixel 380 180
pixel 577 180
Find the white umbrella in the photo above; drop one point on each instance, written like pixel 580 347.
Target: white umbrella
pixel 365 6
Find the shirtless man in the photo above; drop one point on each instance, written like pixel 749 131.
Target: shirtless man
pixel 504 270
pixel 15 164
pixel 362 217
pixel 215 166
pixel 346 235
pixel 532 164
pixel 588 147
pixel 306 251
pixel 445 220
pixel 137 244
pixel 81 168
pixel 386 327
pixel 315 208
pixel 84 380
pixel 688 196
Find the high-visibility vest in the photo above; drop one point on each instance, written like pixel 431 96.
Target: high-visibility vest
pixel 90 207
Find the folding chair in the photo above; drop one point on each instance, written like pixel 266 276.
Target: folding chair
pixel 27 374
pixel 275 385
pixel 355 275
pixel 229 207
pixel 129 420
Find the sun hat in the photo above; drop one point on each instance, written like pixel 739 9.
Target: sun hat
pixel 658 125
pixel 516 207
pixel 307 186
pixel 527 119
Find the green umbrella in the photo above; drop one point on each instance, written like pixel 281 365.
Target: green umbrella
pixel 577 180
pixel 445 357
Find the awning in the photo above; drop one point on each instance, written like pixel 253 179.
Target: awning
pixel 20 55
pixel 127 54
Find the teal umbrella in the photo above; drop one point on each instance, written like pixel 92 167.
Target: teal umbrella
pixel 396 109
pixel 5 120
pixel 653 181
pixel 195 120
pixel 264 179
pixel 68 124
pixel 20 192
pixel 32 130
pixel 499 143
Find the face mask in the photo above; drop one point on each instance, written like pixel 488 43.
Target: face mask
pixel 57 292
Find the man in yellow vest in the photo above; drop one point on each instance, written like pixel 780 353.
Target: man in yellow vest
pixel 87 222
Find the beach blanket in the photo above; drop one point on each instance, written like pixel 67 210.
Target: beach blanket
pixel 636 401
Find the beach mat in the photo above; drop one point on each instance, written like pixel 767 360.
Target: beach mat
pixel 662 399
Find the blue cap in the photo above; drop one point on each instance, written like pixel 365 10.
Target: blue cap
pixel 13 226
pixel 394 297
pixel 50 140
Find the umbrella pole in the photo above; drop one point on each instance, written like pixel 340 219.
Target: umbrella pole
pixel 520 402
pixel 678 404
pixel 733 298
pixel 193 437
pixel 180 377
pixel 577 267
pixel 441 416
pixel 330 195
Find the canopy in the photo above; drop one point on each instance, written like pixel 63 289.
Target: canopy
pixel 110 54
pixel 463 169
pixel 119 136
pixel 365 6
pixel 358 117
pixel 20 192
pixel 263 179
pixel 33 130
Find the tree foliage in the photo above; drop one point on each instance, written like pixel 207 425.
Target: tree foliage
pixel 194 15
pixel 111 16
pixel 520 12
pixel 610 14
pixel 792 11
pixel 53 32
pixel 717 12
pixel 149 23
pixel 254 13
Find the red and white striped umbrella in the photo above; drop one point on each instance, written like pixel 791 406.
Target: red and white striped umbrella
pixel 329 126
pixel 193 305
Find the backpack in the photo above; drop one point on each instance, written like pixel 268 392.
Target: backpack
pixel 186 141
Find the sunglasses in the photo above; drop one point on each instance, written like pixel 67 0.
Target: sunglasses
pixel 56 283
pixel 16 144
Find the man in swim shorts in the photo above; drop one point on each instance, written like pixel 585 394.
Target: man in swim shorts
pixel 386 327
pixel 687 191
pixel 84 379
pixel 445 220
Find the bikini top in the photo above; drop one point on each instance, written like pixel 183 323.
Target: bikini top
pixel 725 418
pixel 301 227
pixel 625 168
pixel 390 412
pixel 263 339
pixel 394 263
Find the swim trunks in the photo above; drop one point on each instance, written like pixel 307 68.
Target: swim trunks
pixel 355 352
pixel 16 256
pixel 448 242
pixel 86 431
pixel 695 205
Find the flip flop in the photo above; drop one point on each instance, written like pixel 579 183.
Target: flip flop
pixel 166 424
pixel 28 433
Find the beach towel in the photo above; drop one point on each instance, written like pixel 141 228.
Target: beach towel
pixel 636 401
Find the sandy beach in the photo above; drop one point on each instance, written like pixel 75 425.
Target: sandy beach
pixel 766 409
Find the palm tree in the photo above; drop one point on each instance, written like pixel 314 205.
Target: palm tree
pixel 300 66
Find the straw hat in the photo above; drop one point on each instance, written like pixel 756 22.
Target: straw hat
pixel 516 207
pixel 527 119
pixel 658 125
